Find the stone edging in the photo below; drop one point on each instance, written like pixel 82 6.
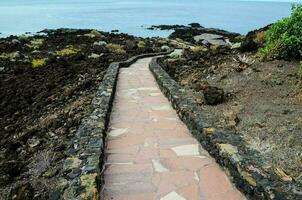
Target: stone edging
pixel 228 148
pixel 84 165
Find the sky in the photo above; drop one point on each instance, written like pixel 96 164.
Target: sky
pixel 300 1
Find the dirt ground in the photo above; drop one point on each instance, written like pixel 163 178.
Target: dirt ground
pixel 47 83
pixel 261 101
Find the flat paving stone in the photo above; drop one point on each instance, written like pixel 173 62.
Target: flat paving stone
pixel 150 152
pixel 172 196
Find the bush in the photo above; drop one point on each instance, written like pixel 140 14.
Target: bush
pixel 36 63
pixel 260 37
pixel 141 44
pixel 93 34
pixel 163 41
pixel 69 50
pixel 116 48
pixel 283 39
pixel 11 55
pixel 35 43
pixel 198 49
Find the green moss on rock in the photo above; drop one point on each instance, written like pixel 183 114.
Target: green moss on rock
pixel 248 177
pixel 141 44
pixel 88 182
pixel 72 163
pixel 36 63
pixel 35 43
pixel 198 49
pixel 10 55
pixel 93 34
pixel 68 51
pixel 116 48
pixel 230 151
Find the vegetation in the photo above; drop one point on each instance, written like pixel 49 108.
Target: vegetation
pixel 69 50
pixel 283 39
pixel 116 48
pixel 93 34
pixel 163 41
pixel 36 63
pixel 141 44
pixel 198 49
pixel 11 55
pixel 35 43
pixel 260 37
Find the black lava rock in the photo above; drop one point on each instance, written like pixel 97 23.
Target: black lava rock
pixel 213 95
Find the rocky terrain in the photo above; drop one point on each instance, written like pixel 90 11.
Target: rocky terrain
pixel 260 100
pixel 47 82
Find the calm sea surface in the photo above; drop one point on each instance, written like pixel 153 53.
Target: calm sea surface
pixel 130 16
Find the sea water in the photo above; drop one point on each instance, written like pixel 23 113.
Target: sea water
pixel 133 16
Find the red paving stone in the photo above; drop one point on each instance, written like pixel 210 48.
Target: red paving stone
pixel 150 152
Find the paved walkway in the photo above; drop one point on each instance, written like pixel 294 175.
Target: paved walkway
pixel 151 154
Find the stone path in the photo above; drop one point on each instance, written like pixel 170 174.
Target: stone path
pixel 151 154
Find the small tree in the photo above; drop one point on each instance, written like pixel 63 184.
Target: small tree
pixel 283 39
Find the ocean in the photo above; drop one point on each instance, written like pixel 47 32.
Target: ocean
pixel 133 16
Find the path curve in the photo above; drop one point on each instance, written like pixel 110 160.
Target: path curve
pixel 150 152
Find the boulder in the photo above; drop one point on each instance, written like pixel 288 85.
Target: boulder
pixel 165 48
pixel 212 39
pixel 214 42
pixel 99 43
pixel 130 44
pixel 94 55
pixel 33 142
pixel 213 95
pixel 176 54
pixel 236 45
pixel 207 36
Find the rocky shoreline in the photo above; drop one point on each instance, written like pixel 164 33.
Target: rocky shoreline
pixel 190 32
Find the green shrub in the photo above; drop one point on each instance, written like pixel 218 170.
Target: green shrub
pixel 163 41
pixel 198 49
pixel 283 39
pixel 141 44
pixel 11 55
pixel 260 37
pixel 93 34
pixel 116 48
pixel 69 50
pixel 35 43
pixel 36 63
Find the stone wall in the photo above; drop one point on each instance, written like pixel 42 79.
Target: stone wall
pixel 85 162
pixel 243 164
